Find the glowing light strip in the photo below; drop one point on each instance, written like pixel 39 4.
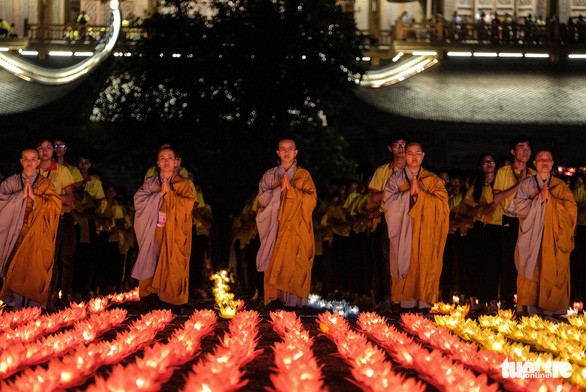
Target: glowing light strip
pixel 509 54
pixel 577 56
pixel 536 55
pixel 4 49
pixel 83 54
pixel 397 57
pixel 32 72
pixel 459 54
pixel 425 53
pixel 397 72
pixel 60 53
pixel 485 54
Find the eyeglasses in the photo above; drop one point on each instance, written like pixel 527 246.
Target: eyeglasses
pixel 398 145
pixel 487 162
pixel 544 160
pixel 414 154
pixel 59 145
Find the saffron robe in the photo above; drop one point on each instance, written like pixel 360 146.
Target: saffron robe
pixel 544 244
pixel 162 264
pixel 289 215
pixel 417 235
pixel 28 247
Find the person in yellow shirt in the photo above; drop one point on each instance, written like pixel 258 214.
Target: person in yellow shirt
pixel 504 191
pixel 479 274
pixel 381 274
pixel 61 148
pixel 63 181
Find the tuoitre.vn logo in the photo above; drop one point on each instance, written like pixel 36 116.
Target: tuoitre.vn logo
pixel 527 369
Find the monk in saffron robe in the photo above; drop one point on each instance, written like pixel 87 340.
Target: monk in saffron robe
pixel 29 217
pixel 286 197
pixel 417 214
pixel 547 215
pixel 163 231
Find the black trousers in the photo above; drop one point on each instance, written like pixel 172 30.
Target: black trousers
pixel 508 286
pixel 64 255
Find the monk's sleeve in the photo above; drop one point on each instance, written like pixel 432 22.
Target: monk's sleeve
pixel 525 200
pixel 147 202
pixel 184 200
pixel 431 207
pixel 12 208
pixel 395 204
pixel 47 206
pixel 562 214
pixel 306 195
pixel 265 189
pixel 528 206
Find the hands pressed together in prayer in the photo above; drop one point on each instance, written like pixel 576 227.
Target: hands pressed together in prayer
pixel 544 194
pixel 165 187
pixel 28 190
pixel 285 182
pixel 414 189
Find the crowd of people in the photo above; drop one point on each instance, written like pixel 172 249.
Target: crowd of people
pixel 67 235
pixel 495 28
pixel 508 233
pixel 457 239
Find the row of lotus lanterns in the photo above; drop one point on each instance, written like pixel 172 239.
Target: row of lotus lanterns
pixel 297 369
pixel 431 365
pixel 485 332
pixel 159 361
pixel 368 363
pixel 221 370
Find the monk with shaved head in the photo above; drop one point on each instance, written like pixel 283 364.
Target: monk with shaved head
pixel 29 217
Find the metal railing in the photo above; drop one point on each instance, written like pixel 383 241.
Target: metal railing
pixel 74 32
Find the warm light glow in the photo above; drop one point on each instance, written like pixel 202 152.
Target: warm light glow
pixel 459 54
pixel 485 54
pixel 537 55
pixel 425 53
pixel 60 53
pixel 397 57
pixel 510 54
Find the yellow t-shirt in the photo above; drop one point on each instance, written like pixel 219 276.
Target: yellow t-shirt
pixel 75 173
pixel 200 227
pixel 505 178
pixel 454 202
pixel 486 197
pixel 378 182
pixel 381 175
pixel 93 186
pixel 59 175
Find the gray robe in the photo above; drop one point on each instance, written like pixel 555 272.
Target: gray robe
pixel 267 222
pixel 399 223
pixel 147 203
pixel 12 209
pixel 531 212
